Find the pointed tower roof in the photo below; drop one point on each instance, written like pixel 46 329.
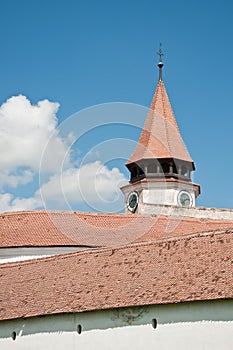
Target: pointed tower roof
pixel 160 136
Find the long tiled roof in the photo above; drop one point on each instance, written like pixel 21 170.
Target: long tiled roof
pixel 160 137
pixel 171 270
pixel 57 228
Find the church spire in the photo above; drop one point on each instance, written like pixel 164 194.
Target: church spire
pixel 160 137
pixel 160 166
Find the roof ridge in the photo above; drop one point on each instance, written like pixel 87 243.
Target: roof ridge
pixel 152 118
pixel 165 114
pixel 123 215
pixel 112 250
pixel 67 212
pixel 40 211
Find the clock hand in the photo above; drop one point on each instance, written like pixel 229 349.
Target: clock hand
pixel 132 201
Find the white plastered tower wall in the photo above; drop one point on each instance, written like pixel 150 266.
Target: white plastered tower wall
pixel 150 203
pixel 154 193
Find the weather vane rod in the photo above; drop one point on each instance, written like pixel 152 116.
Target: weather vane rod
pixel 160 64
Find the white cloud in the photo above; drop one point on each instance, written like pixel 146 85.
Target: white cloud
pixel 23 177
pixel 24 132
pixel 93 184
pixel 9 203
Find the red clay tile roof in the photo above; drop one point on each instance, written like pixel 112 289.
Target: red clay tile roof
pixel 57 228
pixel 34 228
pixel 160 137
pixel 171 270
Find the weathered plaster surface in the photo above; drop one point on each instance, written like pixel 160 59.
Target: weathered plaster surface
pixel 196 325
pixel 194 212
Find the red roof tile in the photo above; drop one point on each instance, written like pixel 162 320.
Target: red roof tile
pixel 160 137
pixel 171 270
pixel 57 228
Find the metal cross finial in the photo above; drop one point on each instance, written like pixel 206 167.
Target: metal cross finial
pixel 160 64
pixel 160 52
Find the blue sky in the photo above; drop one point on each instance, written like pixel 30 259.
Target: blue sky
pixel 85 53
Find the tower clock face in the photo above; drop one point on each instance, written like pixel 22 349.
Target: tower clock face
pixel 132 201
pixel 185 199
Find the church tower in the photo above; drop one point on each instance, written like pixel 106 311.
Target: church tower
pixel 160 166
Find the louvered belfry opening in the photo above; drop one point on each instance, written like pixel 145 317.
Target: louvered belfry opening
pixel 160 168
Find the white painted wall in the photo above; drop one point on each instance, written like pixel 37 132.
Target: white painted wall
pixel 28 253
pixel 168 197
pixel 195 325
pixel 149 204
pixel 192 212
pixel 154 193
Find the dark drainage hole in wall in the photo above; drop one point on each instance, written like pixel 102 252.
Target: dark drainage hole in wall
pixel 154 323
pixel 13 335
pixel 79 329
